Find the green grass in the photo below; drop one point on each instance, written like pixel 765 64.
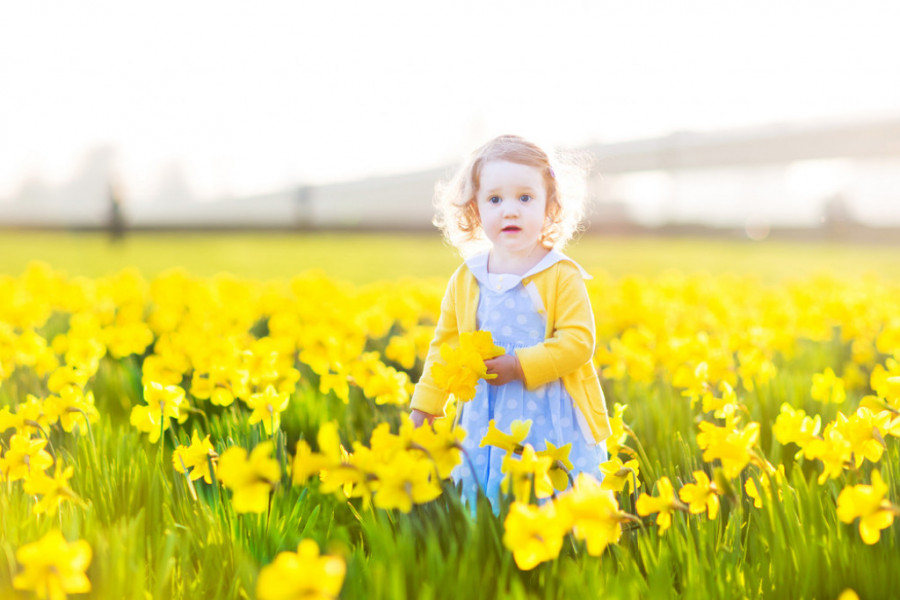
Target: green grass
pixel 363 258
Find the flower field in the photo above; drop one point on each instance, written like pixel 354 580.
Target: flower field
pixel 170 435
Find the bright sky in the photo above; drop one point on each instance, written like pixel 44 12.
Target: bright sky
pixel 252 96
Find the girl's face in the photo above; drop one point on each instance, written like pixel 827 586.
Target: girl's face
pixel 512 205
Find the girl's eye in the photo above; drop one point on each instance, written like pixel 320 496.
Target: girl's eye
pixel 525 198
pixel 494 199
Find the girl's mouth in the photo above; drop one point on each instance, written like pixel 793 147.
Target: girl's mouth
pixel 511 229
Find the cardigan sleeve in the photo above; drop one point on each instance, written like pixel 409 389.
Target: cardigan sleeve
pixel 427 396
pixel 571 341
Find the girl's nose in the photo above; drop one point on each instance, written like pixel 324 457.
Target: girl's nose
pixel 510 208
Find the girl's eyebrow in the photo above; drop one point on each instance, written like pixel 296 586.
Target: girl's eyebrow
pixel 526 188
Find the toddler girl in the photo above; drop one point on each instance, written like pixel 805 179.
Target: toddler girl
pixel 532 299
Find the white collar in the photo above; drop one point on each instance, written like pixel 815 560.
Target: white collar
pixel 478 265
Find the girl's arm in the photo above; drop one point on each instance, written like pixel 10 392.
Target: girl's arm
pixel 418 417
pixel 572 341
pixel 428 398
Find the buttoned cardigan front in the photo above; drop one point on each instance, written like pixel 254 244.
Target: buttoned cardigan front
pixel 565 353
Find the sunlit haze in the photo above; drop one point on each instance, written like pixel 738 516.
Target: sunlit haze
pixel 250 97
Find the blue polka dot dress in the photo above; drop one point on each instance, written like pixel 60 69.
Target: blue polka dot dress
pixel 510 312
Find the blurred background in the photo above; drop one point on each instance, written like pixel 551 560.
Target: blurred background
pixel 752 120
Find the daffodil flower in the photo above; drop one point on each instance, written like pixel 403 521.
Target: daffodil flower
pixel 251 479
pixel 534 534
pixel 521 472
pixel 766 483
pixel 593 513
pixel 794 426
pixel 440 443
pixel 54 567
pixel 701 496
pixel 74 408
pixel 53 490
pixel 664 504
pixel 26 457
pixel 868 503
pixel 307 463
pixel 864 430
pixel 406 480
pixel 510 442
pixel 301 575
pixel 267 408
pixel 194 458
pixel 560 465
pixel 730 444
pixel 616 441
pixel 834 450
pixel 618 475
pixel 163 403
pixel 827 387
pixel 463 366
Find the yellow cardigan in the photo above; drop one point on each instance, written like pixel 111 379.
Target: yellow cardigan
pixel 565 353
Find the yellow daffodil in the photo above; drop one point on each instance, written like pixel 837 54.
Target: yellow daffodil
pixel 721 406
pixel 510 442
pixel 522 472
pixel 387 385
pixel 402 350
pixel 701 496
pixel 730 444
pixel 827 387
pixel 307 463
pixel 793 426
pixel 267 408
pixel 833 450
pixel 560 465
pixel 25 458
pixel 864 430
pixel 53 490
pixel 463 366
pixel 441 443
pixel 194 458
pixel 755 367
pixel 534 534
pixel 594 514
pixel 406 480
pixel 339 383
pixel 456 374
pixel 30 416
pixel 251 479
pixel 74 408
pixel 163 403
pixel 482 343
pixel 54 567
pixel 695 381
pixel 664 504
pixel 766 483
pixel 301 575
pixel 129 338
pixel 869 504
pixel 618 475
pixel 883 375
pixel 616 441
pixel 329 441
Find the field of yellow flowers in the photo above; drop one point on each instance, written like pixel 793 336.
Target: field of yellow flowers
pixel 178 436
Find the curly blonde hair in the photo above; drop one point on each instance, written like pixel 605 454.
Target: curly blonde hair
pixel 456 211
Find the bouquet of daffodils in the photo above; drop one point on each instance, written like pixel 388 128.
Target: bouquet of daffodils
pixel 460 368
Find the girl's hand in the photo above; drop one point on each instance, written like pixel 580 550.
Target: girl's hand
pixel 506 367
pixel 418 417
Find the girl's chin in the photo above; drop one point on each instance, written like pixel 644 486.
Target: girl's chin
pixel 514 246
